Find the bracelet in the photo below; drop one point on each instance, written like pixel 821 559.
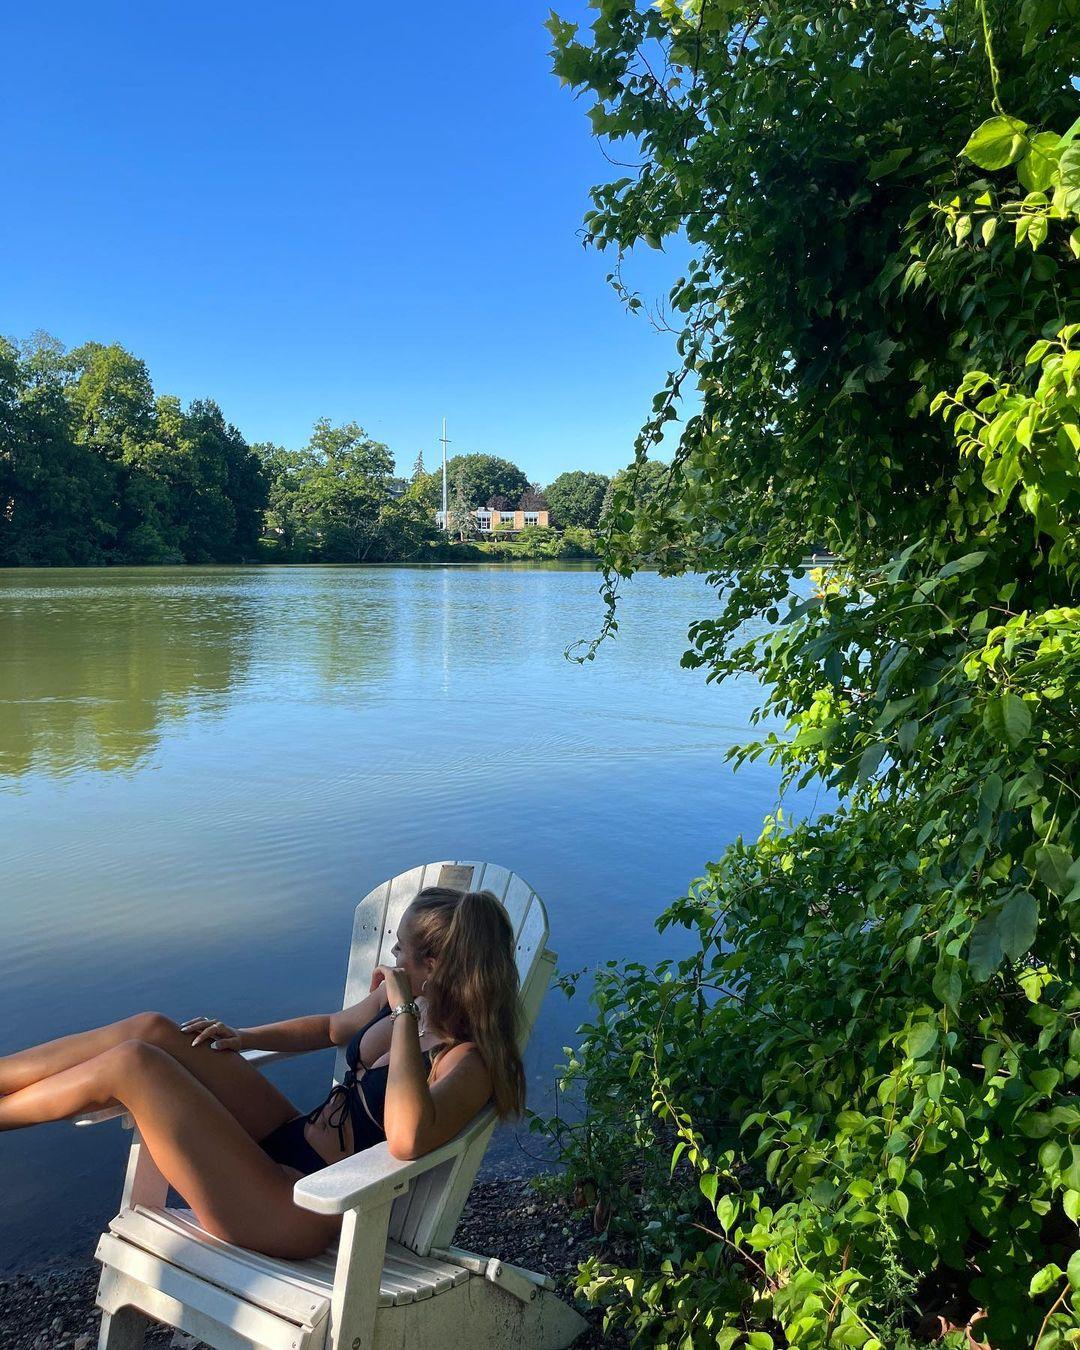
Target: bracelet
pixel 409 1007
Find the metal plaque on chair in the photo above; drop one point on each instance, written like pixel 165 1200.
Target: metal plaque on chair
pixel 456 875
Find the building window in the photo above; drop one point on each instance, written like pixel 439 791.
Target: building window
pixel 532 518
pixel 507 517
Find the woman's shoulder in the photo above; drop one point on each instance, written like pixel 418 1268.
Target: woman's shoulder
pixel 458 1053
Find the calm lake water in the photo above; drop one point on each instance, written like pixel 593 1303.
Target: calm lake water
pixel 203 770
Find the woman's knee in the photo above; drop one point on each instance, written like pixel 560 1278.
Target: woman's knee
pixel 132 1058
pixel 152 1027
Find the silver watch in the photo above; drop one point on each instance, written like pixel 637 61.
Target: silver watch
pixel 410 1007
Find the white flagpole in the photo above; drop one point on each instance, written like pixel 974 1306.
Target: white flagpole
pixel 445 504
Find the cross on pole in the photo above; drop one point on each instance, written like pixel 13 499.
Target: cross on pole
pixel 445 504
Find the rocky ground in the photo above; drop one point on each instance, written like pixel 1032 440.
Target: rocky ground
pixel 55 1310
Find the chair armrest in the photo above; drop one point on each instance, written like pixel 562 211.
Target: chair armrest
pixel 106 1113
pixel 374 1174
pixel 256 1057
pixel 261 1057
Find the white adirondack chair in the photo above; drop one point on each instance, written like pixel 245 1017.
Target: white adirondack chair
pixel 394 1281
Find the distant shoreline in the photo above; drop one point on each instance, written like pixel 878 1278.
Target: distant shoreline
pixel 579 564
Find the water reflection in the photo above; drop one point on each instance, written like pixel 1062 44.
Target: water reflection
pixel 92 672
pixel 96 669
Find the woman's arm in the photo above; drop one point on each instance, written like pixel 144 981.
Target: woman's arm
pixel 296 1033
pixel 346 1023
pixel 419 1116
pixel 318 1031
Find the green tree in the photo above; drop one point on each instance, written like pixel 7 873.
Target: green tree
pixel 856 1102
pixel 428 490
pixel 405 526
pixel 341 495
pixel 637 484
pixel 112 399
pixel 460 520
pixel 577 498
pixel 210 519
pixel 284 471
pixel 56 495
pixel 481 477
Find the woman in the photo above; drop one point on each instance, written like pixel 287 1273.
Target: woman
pixel 434 1040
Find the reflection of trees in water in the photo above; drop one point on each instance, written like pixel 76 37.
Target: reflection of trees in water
pixel 91 669
pixel 330 629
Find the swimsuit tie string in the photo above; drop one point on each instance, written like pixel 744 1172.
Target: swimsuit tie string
pixel 338 1100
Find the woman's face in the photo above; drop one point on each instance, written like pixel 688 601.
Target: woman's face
pixel 404 953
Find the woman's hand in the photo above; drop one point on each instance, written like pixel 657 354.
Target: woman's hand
pixel 398 988
pixel 219 1034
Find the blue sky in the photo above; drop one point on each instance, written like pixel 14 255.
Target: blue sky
pixel 356 211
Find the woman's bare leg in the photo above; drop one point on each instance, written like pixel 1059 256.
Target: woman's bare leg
pixel 236 1191
pixel 249 1096
pixel 27 1066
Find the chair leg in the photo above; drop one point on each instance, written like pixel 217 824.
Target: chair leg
pixel 124 1329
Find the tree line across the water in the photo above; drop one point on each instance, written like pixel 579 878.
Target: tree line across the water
pixel 95 468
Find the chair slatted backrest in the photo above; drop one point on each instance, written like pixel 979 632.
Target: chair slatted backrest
pixel 427 1216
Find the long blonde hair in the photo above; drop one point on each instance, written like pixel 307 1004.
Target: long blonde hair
pixel 472 994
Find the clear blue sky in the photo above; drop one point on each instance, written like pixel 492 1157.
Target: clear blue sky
pixel 358 211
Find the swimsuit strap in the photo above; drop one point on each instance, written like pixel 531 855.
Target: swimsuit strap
pixel 347 1098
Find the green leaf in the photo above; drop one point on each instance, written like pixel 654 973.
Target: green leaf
pixel 1071 1202
pixel 1053 865
pixel 1073 1270
pixel 880 168
pixel 869 760
pixel 947 983
pixel 1007 719
pixel 1044 1279
pixel 1069 166
pixel 906 737
pixel 921 1040
pixel 1036 170
pixel 999 141
pixel 1017 924
pixel 1046 1080
pixel 708 1184
pixel 898 1201
pixel 958 565
pixel 985 952
pixel 727 1211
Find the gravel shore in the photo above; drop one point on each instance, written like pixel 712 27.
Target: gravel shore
pixel 55 1310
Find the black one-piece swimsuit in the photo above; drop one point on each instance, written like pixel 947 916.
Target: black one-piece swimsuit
pixel 360 1098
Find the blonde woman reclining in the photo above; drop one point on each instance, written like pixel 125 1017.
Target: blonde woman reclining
pixel 434 1040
